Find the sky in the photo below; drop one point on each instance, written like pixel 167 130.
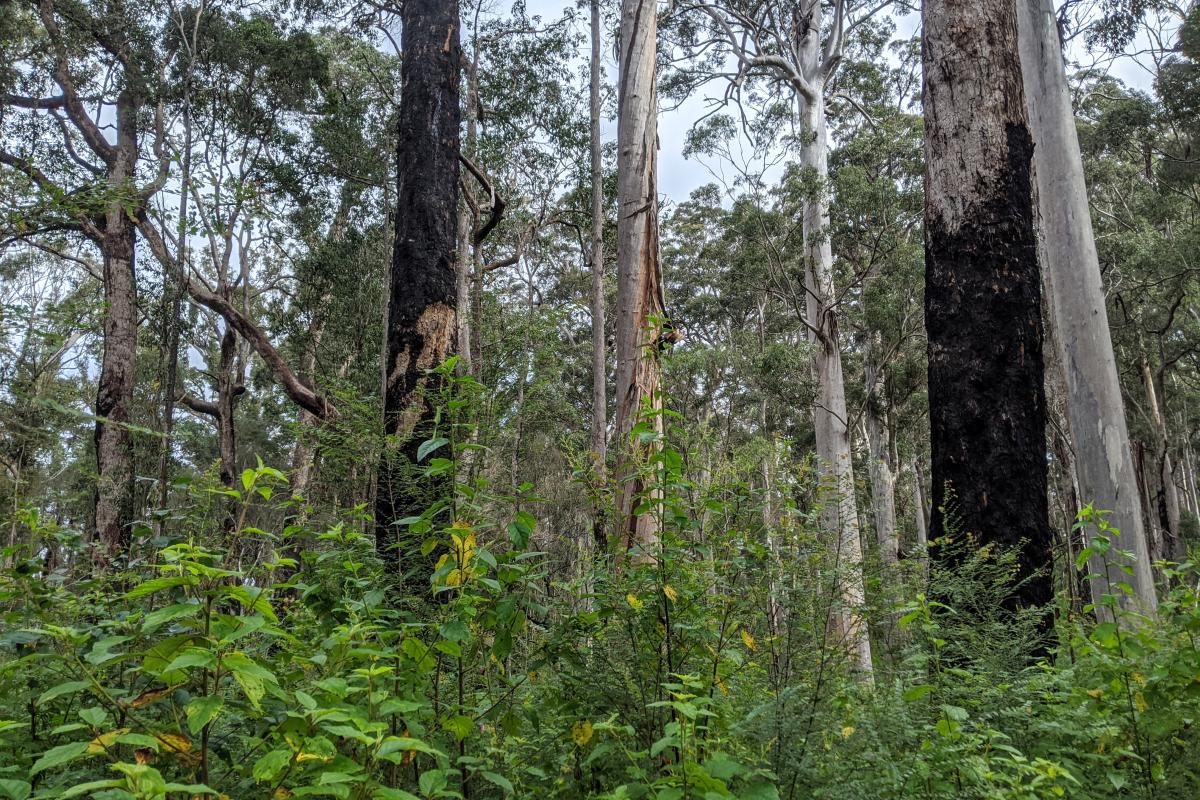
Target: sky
pixel 678 175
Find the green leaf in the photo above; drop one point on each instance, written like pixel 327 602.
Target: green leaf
pixel 917 692
pixel 158 618
pixel 191 657
pixel 202 711
pixel 499 780
pixel 16 790
pixel 430 446
pixel 160 584
pixel 460 726
pixel 433 781
pixel 384 793
pixel 57 756
pixel 89 787
pixel 248 477
pixel 71 687
pixel 270 765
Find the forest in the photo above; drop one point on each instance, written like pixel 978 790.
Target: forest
pixel 611 399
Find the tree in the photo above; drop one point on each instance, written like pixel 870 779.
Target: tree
pixel 421 310
pixel 987 403
pixel 99 182
pixel 641 309
pixel 599 433
pixel 1095 409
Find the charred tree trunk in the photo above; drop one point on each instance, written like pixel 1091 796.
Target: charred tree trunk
pixel 987 402
pixel 596 262
pixel 640 306
pixel 114 394
pixel 421 327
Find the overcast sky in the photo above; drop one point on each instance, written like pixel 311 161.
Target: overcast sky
pixel 679 176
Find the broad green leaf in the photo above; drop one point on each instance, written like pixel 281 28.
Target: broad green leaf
pixel 202 711
pixel 57 756
pixel 70 687
pixel 270 765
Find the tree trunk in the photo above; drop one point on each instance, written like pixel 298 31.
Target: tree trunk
pixel 922 519
pixel 640 307
pixel 422 296
pixel 114 394
pixel 987 403
pixel 839 514
pixel 596 262
pixel 465 256
pixel 229 388
pixel 1095 408
pixel 1166 496
pixel 883 478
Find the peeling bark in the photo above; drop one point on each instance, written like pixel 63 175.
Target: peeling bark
pixel 640 306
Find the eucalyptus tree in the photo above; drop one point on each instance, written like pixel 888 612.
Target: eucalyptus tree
pixel 1078 308
pixel 987 402
pixel 420 330
pixel 800 46
pixel 641 309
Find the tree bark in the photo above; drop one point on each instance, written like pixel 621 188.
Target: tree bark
pixel 1166 494
pixel 883 477
pixel 640 306
pixel 421 325
pixel 599 439
pixel 1095 408
pixel 114 393
pixel 987 403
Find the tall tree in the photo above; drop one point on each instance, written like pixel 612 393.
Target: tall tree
pixel 599 439
pixel 1095 408
pixel 71 47
pixel 802 48
pixel 987 402
pixel 640 304
pixel 421 327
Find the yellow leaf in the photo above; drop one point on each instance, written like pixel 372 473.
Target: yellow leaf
pixel 105 741
pixel 633 601
pixel 301 757
pixel 175 742
pixel 533 677
pixel 282 793
pixel 671 594
pixel 723 687
pixel 748 640
pixel 847 731
pixel 454 578
pixel 581 732
pixel 1139 701
pixel 150 695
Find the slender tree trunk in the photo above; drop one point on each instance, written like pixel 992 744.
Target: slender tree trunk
pixel 640 307
pixel 1166 502
pixel 883 477
pixel 465 255
pixel 599 440
pixel 229 388
pixel 422 296
pixel 987 402
pixel 922 520
pixel 114 509
pixel 1095 408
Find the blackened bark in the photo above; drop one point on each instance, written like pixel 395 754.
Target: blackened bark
pixel 987 403
pixel 421 301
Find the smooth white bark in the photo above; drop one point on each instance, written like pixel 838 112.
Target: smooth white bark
pixel 1071 268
